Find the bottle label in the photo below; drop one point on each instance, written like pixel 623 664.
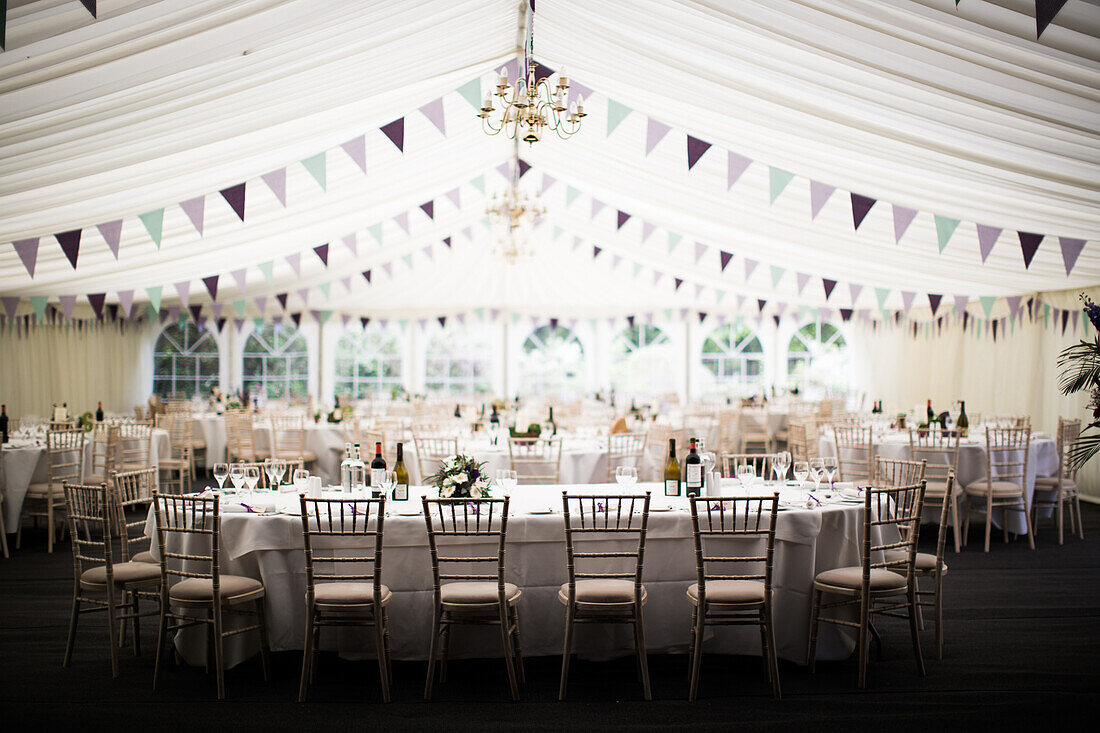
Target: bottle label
pixel 376 477
pixel 694 476
pixel 672 487
pixel 401 492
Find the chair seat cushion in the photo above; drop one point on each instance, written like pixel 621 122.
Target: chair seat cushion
pixel 1000 488
pixel 925 562
pixel 198 444
pixel 935 488
pixel 476 592
pixel 851 578
pixel 306 455
pixel 234 589
pixel 598 590
pixel 1050 483
pixel 145 557
pixel 729 592
pixel 345 593
pixel 124 573
pixel 40 491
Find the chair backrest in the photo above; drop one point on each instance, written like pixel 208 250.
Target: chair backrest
pixel 431 450
pixel 796 441
pixel 896 472
pixel 105 449
pixel 620 518
pixel 754 424
pixel 240 434
pixel 467 519
pixel 197 522
pixel 855 452
pixel 536 460
pixel 181 435
pixel 761 463
pixel 135 444
pixel 891 521
pixel 288 435
pixel 132 489
pixel 325 522
pixel 1068 433
pixel 945 511
pixel 64 456
pixel 938 448
pixel 1007 454
pixel 89 517
pixel 624 449
pixel 723 519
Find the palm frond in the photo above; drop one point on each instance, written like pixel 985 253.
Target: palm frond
pixel 1080 366
pixel 1087 446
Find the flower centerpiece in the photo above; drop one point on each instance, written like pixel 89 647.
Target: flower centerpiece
pixel 460 477
pixel 1080 371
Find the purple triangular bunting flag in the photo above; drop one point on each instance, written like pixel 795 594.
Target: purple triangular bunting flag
pixel 276 181
pixel 760 304
pixel 907 300
pixel 1071 250
pixel 903 217
pixel 447 241
pixel 679 282
pixel 623 219
pixel 726 257
pixel 282 297
pixel 845 314
pixel 987 237
pixel 695 150
pixel 96 300
pixel 196 312
pixel 67 303
pixel 395 131
pixel 1029 245
pixel 297 318
pixel 524 166
pixel 211 284
pixel 70 244
pixel 596 251
pixel 1045 10
pixel 366 276
pixel 321 251
pixel 828 285
pixel 234 196
pixel 860 206
pixel 27 249
pixel 428 207
pixel 934 302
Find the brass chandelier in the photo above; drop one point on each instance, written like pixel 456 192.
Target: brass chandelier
pixel 516 208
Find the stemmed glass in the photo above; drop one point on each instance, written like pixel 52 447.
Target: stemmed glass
pixel 830 465
pixel 269 470
pixel 817 471
pixel 801 471
pixel 236 477
pixel 746 472
pixel 221 473
pixel 301 480
pixel 781 461
pixel 389 480
pixel 278 468
pixel 507 479
pixel 627 476
pixel 252 477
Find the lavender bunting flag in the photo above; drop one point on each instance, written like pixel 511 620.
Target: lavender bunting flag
pixel 276 181
pixel 126 301
pixel 27 249
pixel 1071 250
pixel 735 167
pixel 987 237
pixel 402 220
pixel 801 278
pixel 195 209
pixel 111 232
pixel 819 194
pixel 241 278
pixel 356 148
pixel 183 289
pixel 597 206
pixel 903 217
pixel 700 251
pixel 655 132
pixel 295 262
pixel 434 112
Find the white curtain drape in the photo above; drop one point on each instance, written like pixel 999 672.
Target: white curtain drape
pixel 78 365
pixel 1017 374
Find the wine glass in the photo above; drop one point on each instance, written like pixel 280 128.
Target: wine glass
pixel 817 471
pixel 830 465
pixel 221 473
pixel 236 476
pixel 269 470
pixel 627 476
pixel 801 471
pixel 278 469
pixel 301 480
pixel 507 479
pixel 746 473
pixel 389 480
pixel 252 477
pixel 781 461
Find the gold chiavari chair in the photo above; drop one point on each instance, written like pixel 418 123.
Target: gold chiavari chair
pixel 340 589
pixel 536 460
pixel 721 598
pixel 1004 485
pixel 624 449
pixel 593 594
pixel 855 453
pixel 64 462
pixel 194 522
pixel 885 587
pixel 729 422
pixel 135 446
pixel 897 472
pixel 940 450
pixel 104 453
pixel 288 438
pixel 462 596
pixel 3 524
pixel 656 449
pixel 99 583
pixel 1054 492
pixel 241 438
pixel 797 441
pixel 130 491
pixel 431 451
pixel 179 464
pixel 761 463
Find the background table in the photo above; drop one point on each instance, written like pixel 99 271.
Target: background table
pixel 269 548
pixel 583 461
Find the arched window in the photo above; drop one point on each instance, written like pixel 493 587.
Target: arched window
pixel 642 361
pixel 276 362
pixel 185 361
pixel 733 355
pixel 818 354
pixel 459 361
pixel 552 363
pixel 368 363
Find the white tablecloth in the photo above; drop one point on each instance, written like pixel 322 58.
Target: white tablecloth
pixel 1042 461
pixel 25 464
pixel 269 548
pixel 583 461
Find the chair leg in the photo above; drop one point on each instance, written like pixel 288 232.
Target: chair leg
pixel 307 655
pixel 639 640
pixel 383 660
pixel 72 628
pixel 966 520
pixel 134 624
pixel 49 525
pixel 939 615
pixel 1027 518
pixel 112 630
pixel 914 632
pixel 264 645
pixel 567 651
pixel 864 642
pixel 386 644
pixel 432 650
pixel 516 646
pixel 1080 524
pixel 1061 513
pixel 988 526
pixel 219 669
pixel 811 658
pixel 445 652
pixel 956 530
pixel 700 618
pixel 162 634
pixel 773 655
pixel 506 641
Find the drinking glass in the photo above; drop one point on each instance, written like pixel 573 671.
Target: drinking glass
pixel 829 463
pixel 389 480
pixel 236 476
pixel 278 469
pixel 508 479
pixel 801 471
pixel 269 470
pixel 221 473
pixel 746 472
pixel 817 470
pixel 301 480
pixel 252 477
pixel 627 476
pixel 781 461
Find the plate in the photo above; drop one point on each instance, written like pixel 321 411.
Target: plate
pixel 540 511
pixel 409 512
pixel 661 508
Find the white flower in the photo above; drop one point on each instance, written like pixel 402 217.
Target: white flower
pixel 446 492
pixel 475 492
pixel 448 481
pixel 460 478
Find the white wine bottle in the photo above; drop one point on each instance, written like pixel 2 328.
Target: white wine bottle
pixel 401 488
pixel 672 470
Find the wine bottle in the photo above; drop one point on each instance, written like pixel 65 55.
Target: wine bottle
pixel 458 411
pixel 693 470
pixel 3 425
pixel 550 421
pixel 494 418
pixel 345 469
pixel 672 470
pixel 401 488
pixel 99 412
pixel 377 467
pixel 963 423
pixel 931 414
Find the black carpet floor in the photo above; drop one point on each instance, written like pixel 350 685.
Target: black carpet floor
pixel 1023 649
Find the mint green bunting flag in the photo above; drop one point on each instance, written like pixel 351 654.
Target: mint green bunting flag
pixel 515 318
pixel 571 195
pixel 267 269
pixel 258 323
pixel 471 92
pixel 316 164
pixel 987 304
pixel 945 227
pixel 882 294
pixel 719 295
pixel 667 312
pixel 154 297
pixel 616 113
pixel 376 232
pixel 777 275
pixel 777 181
pixel 326 289
pixel 38 302
pixel 673 240
pixel 478 182
pixel 1046 315
pixel 154 224
pixel 150 312
pixel 408 260
pixel 558 231
pixel 637 269
pixel 479 314
pixel 238 305
pixel 325 315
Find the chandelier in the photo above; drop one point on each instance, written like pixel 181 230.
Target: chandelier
pixel 516 208
pixel 531 105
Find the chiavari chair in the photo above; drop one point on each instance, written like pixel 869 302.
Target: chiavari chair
pixel 940 450
pixel 624 449
pixel 3 525
pixel 100 583
pixel 463 596
pixel 855 453
pixel 135 445
pixel 594 594
pixel 179 464
pixel 193 524
pixel 721 598
pixel 1004 485
pixel 104 453
pixel 1054 492
pixel 898 472
pixel 536 460
pixel 656 449
pixel 340 590
pixel 891 523
pixel 288 438
pixel 761 463
pixel 431 451
pixel 64 462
